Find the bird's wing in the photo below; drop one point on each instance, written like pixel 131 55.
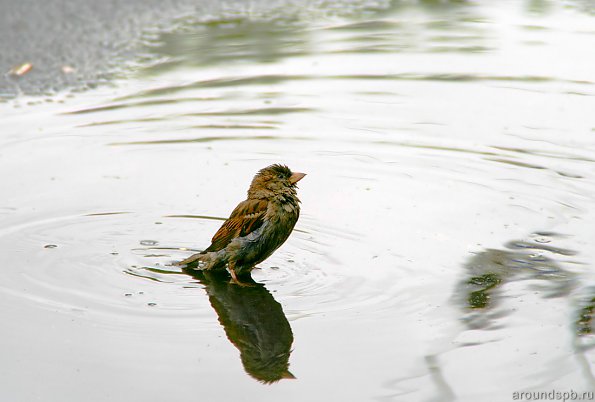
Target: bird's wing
pixel 246 218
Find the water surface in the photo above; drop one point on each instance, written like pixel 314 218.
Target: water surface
pixel 445 243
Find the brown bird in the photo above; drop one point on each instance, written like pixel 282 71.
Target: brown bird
pixel 257 226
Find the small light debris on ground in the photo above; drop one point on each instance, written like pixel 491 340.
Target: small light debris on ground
pixel 68 69
pixel 20 70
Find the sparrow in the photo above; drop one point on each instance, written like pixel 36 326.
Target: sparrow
pixel 257 226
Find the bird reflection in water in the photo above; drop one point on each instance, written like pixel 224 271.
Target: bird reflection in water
pixel 254 322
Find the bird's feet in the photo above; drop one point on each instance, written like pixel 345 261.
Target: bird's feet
pixel 236 281
pixel 242 284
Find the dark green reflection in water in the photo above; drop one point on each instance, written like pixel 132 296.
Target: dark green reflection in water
pixel 488 271
pixel 232 40
pixel 480 298
pixel 270 35
pixel 584 321
pixel 254 322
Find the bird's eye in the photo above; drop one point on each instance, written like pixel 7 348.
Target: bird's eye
pixel 280 176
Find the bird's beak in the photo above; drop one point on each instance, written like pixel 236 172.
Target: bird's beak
pixel 295 177
pixel 288 376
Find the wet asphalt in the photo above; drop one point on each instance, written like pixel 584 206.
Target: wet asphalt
pixel 75 44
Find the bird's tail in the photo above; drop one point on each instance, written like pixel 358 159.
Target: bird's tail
pixel 191 259
pixel 206 260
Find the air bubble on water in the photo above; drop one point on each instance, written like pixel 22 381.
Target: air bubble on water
pixel 542 240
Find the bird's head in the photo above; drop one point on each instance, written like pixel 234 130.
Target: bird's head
pixel 274 180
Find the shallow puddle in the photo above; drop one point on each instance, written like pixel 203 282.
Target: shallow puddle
pixel 445 244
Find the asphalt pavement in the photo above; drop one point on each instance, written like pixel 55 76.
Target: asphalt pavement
pixel 74 43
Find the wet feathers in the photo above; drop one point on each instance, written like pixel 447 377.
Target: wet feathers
pixel 257 226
